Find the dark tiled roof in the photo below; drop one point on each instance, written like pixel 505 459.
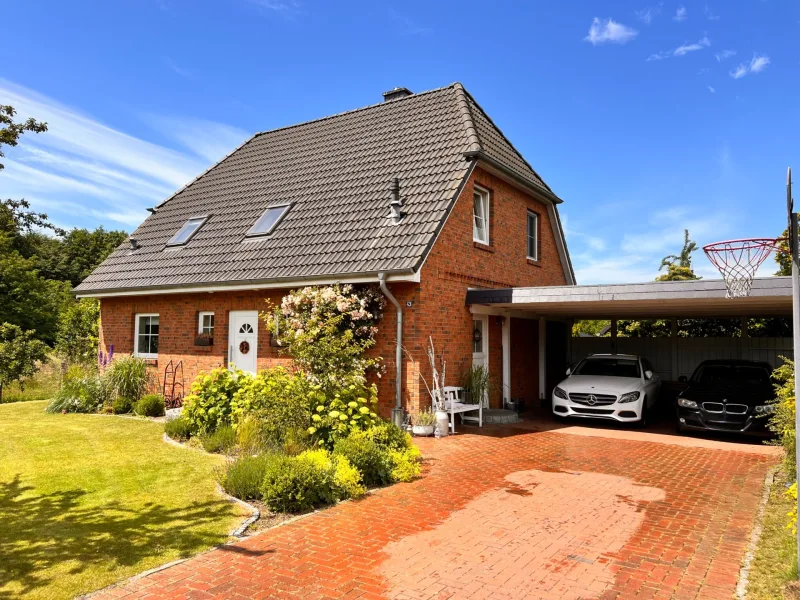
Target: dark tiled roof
pixel 337 172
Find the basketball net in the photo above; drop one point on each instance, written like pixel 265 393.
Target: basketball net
pixel 738 261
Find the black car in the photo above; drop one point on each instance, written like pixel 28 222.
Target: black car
pixel 727 395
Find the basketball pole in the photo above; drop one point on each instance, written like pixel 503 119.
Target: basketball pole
pixel 795 320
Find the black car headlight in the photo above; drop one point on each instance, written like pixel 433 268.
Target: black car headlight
pixel 629 397
pixel 765 409
pixel 686 403
pixel 558 392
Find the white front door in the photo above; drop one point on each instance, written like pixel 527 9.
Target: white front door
pixel 480 343
pixel 243 340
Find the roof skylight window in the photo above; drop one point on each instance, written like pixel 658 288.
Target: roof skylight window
pixel 267 222
pixel 187 232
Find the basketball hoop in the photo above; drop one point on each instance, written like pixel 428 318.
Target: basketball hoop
pixel 738 261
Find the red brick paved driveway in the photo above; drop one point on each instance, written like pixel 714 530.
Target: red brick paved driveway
pixel 573 513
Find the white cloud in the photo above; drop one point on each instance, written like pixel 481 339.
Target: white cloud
pixel 608 30
pixel 686 48
pixel 682 50
pixel 646 15
pixel 757 65
pixel 681 14
pixel 712 90
pixel 724 55
pixel 280 6
pixel 88 173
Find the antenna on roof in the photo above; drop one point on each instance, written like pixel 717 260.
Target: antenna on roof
pixel 396 203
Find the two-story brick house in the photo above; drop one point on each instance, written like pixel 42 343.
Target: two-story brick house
pixel 317 203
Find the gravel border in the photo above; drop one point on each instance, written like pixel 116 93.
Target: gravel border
pixel 755 536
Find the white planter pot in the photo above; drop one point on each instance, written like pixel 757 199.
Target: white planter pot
pixel 423 429
pixel 443 422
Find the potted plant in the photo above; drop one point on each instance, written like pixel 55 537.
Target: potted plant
pixel 203 339
pixel 423 423
pixel 477 384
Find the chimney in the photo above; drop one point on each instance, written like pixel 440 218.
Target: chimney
pixel 396 94
pixel 396 203
pixel 134 243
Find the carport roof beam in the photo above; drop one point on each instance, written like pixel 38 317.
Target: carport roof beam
pixel 770 296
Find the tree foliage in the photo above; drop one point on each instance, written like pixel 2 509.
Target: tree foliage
pixel 678 273
pixel 21 354
pixel 784 259
pixel 684 258
pixel 77 331
pixel 10 131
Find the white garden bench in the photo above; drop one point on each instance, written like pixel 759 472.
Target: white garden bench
pixel 454 404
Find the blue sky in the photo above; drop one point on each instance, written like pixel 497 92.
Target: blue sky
pixel 645 117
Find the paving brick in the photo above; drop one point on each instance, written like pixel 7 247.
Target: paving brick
pixel 508 513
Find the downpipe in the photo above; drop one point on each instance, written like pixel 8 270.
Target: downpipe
pixel 397 412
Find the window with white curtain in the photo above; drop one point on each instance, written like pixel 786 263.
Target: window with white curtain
pixel 480 211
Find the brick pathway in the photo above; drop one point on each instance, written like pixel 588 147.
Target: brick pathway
pixel 520 514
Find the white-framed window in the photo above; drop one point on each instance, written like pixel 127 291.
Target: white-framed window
pixel 205 323
pixel 146 335
pixel 480 213
pixel 533 235
pixel 267 222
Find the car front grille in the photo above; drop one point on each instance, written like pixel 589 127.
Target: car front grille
pixel 599 399
pixel 719 408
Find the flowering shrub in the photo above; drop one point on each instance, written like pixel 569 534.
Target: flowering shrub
pixel 343 410
pixel 279 401
pixel 327 331
pixel 791 493
pixel 209 404
pixel 308 307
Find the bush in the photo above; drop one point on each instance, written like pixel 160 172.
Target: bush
pixel 364 454
pixel 209 404
pixel 151 405
pixel 311 479
pixel 129 377
pixel 782 422
pixel 279 400
pixel 178 429
pixel 390 436
pixel 220 441
pixel 83 390
pixel 405 464
pixel 244 477
pixel 382 454
pixel 343 410
pixel 121 405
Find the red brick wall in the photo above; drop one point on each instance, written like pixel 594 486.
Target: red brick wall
pixel 437 303
pixel 456 264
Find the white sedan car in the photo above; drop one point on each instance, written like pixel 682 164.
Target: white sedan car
pixel 621 387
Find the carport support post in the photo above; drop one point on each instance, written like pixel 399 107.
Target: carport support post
pixel 542 358
pixel 673 334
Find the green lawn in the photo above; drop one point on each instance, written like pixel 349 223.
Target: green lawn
pixel 88 500
pixel 775 562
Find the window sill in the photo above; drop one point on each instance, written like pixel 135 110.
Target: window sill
pixel 150 359
pixel 482 246
pixel 535 263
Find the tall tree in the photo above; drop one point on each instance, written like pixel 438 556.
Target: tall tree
pixel 684 259
pixel 10 131
pixel 784 259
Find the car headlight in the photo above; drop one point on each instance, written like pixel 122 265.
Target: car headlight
pixel 560 393
pixel 765 409
pixel 686 403
pixel 629 397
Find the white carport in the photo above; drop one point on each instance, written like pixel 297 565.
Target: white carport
pixel 673 356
